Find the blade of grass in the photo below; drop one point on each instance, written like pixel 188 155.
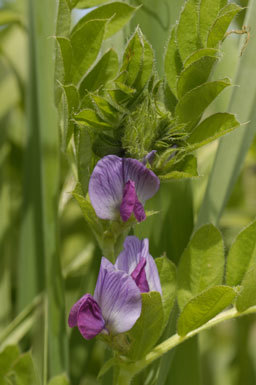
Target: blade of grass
pixel 233 148
pixel 44 28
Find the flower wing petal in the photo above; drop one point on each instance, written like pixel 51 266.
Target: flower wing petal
pixel 146 182
pixel 106 187
pixel 152 275
pixel 119 299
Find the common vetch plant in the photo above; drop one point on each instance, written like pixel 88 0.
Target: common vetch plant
pixel 124 131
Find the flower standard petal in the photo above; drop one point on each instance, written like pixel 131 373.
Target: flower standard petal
pixel 106 187
pixel 118 297
pixel 129 258
pixel 146 182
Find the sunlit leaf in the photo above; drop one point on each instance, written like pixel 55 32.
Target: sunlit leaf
pixel 86 43
pixel 187 29
pixel 201 265
pixel 209 10
pixel 221 24
pixel 195 74
pixel 118 13
pixel 212 128
pixel 241 256
pixel 204 307
pixel 104 70
pixel 247 296
pixel 193 104
pixel 172 63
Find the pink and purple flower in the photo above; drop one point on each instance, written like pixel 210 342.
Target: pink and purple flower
pixel 120 187
pixel 116 304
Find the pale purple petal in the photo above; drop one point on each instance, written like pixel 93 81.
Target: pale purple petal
pixel 152 275
pixel 139 276
pixel 128 202
pixel 146 182
pixel 118 297
pixel 106 187
pixel 149 157
pixel 89 319
pixel 129 258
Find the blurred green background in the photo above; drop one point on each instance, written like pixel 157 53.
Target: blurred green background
pixel 45 244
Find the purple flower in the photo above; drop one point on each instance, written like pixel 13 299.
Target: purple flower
pixel 121 186
pixel 136 261
pixel 114 308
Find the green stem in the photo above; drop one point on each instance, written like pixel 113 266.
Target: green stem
pixel 124 377
pixel 175 340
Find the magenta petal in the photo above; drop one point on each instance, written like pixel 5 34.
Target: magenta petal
pixel 118 297
pixel 89 320
pixel 139 211
pixel 128 202
pixel 106 187
pixel 72 319
pixel 139 276
pixel 146 182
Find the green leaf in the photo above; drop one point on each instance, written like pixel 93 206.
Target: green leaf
pixel 59 380
pixel 170 100
pixel 7 358
pixel 186 168
pixel 201 265
pixel 118 14
pixel 70 105
pixel 212 128
pixel 104 70
pixel 167 275
pixel 247 296
pixel 146 67
pixel 84 157
pixel 91 119
pixel 201 53
pixel 221 24
pixel 193 104
pixel 132 59
pixel 89 215
pixel 233 148
pixel 23 371
pixel 63 19
pixel 241 256
pixel 86 43
pixel 195 74
pixel 172 63
pixel 204 307
pixel 63 60
pixel 187 30
pixel 209 10
pixel 147 330
pixel 104 109
pixel 88 3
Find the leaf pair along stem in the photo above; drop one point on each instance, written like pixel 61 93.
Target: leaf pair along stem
pixel 129 370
